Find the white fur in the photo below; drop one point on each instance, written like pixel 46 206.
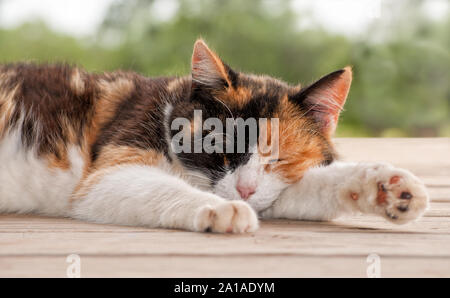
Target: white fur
pixel 128 195
pixel 268 185
pixel 27 184
pixel 325 193
pixel 142 195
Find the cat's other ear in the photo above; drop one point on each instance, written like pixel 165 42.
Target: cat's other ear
pixel 325 99
pixel 208 70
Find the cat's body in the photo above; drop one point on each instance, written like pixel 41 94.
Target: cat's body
pixel 99 147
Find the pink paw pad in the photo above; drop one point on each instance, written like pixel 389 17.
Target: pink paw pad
pixel 394 180
pixel 382 194
pixel 400 197
pixel 354 196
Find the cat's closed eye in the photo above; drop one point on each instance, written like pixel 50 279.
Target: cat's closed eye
pixel 275 160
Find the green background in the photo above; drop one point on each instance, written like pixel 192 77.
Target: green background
pixel 401 63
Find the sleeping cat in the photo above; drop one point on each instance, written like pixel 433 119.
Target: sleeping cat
pixel 100 148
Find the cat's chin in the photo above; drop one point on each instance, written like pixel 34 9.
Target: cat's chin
pixel 267 192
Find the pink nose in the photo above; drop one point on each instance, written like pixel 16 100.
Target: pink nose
pixel 245 191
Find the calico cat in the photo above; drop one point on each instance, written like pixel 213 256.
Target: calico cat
pixel 99 147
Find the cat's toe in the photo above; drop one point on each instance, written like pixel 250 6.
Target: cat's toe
pixel 228 217
pixel 401 197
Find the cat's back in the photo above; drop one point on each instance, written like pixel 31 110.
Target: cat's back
pixel 50 118
pixel 39 100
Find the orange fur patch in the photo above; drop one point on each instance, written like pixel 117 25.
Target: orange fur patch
pixel 7 103
pixel 300 146
pixel 62 162
pixel 86 184
pixel 111 93
pixel 237 96
pixel 113 155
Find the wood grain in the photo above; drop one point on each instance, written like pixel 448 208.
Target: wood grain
pixel 33 246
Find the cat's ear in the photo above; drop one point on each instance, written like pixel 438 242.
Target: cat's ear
pixel 208 69
pixel 325 99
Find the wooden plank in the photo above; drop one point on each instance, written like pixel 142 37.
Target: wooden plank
pixel 37 224
pixel 439 194
pixel 38 246
pixel 439 209
pixel 442 182
pixel 33 224
pixel 220 266
pixel 427 156
pixel 429 237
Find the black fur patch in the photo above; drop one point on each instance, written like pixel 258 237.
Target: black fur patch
pixel 45 94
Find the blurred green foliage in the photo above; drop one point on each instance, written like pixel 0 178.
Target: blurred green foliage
pixel 401 65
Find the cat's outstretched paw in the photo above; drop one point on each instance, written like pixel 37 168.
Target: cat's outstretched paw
pixel 395 194
pixel 228 217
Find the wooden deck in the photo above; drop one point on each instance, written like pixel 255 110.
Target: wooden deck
pixel 33 246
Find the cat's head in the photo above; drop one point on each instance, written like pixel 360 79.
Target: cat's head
pixel 299 125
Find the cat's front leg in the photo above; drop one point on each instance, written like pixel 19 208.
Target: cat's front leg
pixel 343 188
pixel 147 196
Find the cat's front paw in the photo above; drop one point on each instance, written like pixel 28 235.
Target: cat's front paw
pixel 395 194
pixel 227 217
